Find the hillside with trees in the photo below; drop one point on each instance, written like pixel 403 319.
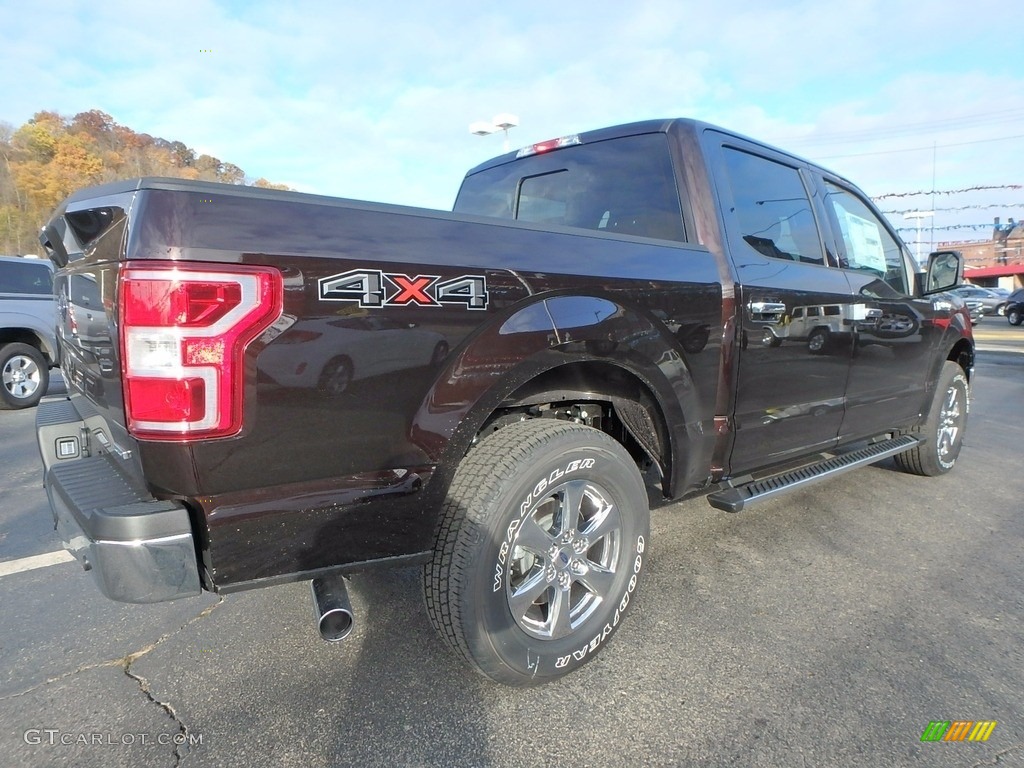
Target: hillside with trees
pixel 50 156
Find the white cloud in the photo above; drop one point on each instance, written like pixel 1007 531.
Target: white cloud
pixel 373 100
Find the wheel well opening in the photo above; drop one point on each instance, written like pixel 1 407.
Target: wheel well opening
pixel 963 355
pixel 601 396
pixel 25 336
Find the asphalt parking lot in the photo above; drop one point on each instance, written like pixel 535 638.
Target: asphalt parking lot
pixel 826 628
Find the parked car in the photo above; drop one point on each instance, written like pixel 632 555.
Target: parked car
pixel 1015 307
pixel 992 303
pixel 28 322
pixel 328 354
pixel 977 310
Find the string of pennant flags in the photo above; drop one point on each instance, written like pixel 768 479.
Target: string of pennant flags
pixel 979 188
pixel 1009 206
pixel 945 226
pixel 951 209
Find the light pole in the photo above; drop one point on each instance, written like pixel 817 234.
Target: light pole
pixel 501 122
pixel 918 215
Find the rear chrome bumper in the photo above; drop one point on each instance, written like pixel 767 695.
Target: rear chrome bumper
pixel 138 548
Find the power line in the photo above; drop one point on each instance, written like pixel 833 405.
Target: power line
pixel 919 149
pixel 890 131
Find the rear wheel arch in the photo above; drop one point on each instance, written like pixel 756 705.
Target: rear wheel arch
pixel 32 338
pixel 632 413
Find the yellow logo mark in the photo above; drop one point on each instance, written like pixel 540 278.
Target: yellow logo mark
pixel 982 730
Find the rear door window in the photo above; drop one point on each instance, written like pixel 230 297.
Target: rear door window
pixel 772 208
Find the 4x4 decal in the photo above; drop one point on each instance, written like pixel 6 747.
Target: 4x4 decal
pixel 373 288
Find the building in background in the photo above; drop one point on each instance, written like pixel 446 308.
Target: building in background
pixel 998 262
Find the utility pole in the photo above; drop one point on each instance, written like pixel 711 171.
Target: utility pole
pixel 918 215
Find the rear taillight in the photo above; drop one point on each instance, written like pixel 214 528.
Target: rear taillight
pixel 184 329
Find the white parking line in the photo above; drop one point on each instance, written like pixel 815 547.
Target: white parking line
pixel 36 561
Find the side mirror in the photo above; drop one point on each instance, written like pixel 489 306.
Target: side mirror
pixel 945 271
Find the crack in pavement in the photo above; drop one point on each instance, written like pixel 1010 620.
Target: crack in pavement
pixel 125 662
pixel 181 740
pixel 998 756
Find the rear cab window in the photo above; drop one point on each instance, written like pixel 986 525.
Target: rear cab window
pixel 624 185
pixel 31 278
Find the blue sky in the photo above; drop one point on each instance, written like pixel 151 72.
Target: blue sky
pixel 372 100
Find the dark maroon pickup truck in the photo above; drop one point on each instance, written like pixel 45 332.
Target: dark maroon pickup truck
pixel 268 386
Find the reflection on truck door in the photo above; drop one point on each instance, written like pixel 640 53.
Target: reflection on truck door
pixel 787 400
pixel 888 374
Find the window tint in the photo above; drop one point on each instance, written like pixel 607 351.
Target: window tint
pixel 867 244
pixel 25 277
pixel 772 208
pixel 542 199
pixel 623 185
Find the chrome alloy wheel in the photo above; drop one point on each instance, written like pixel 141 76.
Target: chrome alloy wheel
pixel 21 377
pixel 951 421
pixel 564 559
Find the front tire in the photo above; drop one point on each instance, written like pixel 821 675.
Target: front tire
pixel 539 550
pixel 439 354
pixel 1013 316
pixel 336 377
pixel 943 429
pixel 769 339
pixel 24 376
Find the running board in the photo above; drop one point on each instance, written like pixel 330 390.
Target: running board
pixel 735 498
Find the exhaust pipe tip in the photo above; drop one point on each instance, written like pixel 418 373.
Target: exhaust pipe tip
pixel 332 609
pixel 335 625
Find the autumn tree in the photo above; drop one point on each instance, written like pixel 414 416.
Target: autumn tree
pixel 50 156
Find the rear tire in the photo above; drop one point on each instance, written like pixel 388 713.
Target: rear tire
pixel 539 549
pixel 24 376
pixel 943 429
pixel 817 342
pixel 1013 316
